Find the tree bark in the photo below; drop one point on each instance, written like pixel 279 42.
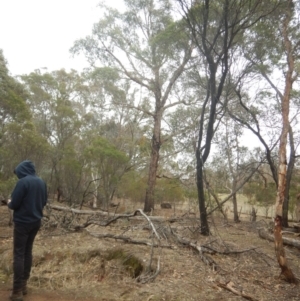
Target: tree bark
pixel 235 210
pixel 155 147
pixel 282 170
pixel 201 197
pixel 290 168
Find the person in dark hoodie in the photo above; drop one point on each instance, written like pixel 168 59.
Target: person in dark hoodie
pixel 27 202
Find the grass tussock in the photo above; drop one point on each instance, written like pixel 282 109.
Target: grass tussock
pixel 131 263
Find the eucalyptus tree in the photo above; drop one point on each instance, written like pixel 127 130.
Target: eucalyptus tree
pixel 122 127
pixel 273 52
pixel 109 163
pixel 217 28
pixel 19 139
pixel 57 107
pixel 289 29
pixel 76 115
pixel 12 95
pixel 149 49
pixel 261 189
pixel 230 150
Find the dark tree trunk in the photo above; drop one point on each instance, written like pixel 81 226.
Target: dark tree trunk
pixel 201 197
pixel 214 43
pixel 155 147
pixel 235 209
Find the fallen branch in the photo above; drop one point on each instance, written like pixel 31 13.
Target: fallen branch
pixel 104 213
pixel 149 276
pixel 149 221
pixel 231 251
pixel 125 239
pixel 217 200
pixel 235 191
pixel 201 250
pixel 104 223
pixel 230 287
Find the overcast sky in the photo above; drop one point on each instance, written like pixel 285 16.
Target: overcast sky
pixel 39 33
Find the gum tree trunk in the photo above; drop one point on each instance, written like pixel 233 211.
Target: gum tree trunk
pixel 286 272
pixel 155 147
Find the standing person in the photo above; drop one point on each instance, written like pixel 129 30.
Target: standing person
pixel 27 201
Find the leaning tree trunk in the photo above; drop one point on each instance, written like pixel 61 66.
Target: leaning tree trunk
pixel 155 147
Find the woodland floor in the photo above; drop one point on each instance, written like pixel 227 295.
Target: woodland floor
pixel 78 265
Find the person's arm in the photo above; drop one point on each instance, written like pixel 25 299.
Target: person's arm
pixel 17 196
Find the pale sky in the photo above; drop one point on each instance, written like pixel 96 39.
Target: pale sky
pixel 39 33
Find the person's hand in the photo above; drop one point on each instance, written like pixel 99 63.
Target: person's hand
pixel 5 202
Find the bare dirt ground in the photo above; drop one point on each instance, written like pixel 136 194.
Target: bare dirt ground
pixel 89 265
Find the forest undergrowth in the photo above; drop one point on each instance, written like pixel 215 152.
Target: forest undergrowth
pixel 79 257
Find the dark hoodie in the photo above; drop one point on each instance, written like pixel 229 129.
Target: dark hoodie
pixel 29 196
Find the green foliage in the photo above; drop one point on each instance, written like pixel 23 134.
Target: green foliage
pixel 7 184
pixel 12 96
pixel 258 193
pixel 132 186
pixel 108 163
pixel 19 139
pixel 294 190
pixel 103 150
pixel 168 190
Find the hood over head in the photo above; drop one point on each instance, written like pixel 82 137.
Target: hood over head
pixel 24 169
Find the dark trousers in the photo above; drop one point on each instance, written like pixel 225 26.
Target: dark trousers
pixel 24 235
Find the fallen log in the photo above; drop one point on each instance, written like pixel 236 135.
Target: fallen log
pixel 263 233
pixel 297 227
pixel 105 213
pixel 289 230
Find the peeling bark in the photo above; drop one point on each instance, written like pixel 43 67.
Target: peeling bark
pixel 286 272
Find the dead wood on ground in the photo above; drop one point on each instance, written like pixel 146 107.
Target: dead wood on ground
pixel 102 218
pixel 114 216
pixel 230 287
pixel 263 233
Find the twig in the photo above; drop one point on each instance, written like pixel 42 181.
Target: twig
pixel 127 239
pixel 207 260
pixel 145 278
pixel 230 287
pixel 152 277
pixel 151 224
pixel 230 252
